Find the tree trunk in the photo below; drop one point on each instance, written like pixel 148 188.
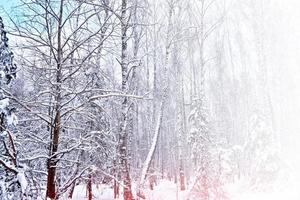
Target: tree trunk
pixel 89 188
pixel 123 132
pixel 52 161
pixel 181 179
pixel 116 190
pixel 152 149
pixel 71 191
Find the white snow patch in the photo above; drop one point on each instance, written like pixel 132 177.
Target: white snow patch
pixel 166 190
pixel 12 119
pixel 22 180
pixel 4 103
pixel 101 191
pixel 288 190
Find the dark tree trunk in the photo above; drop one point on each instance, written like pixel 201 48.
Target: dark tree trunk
pixel 71 191
pixel 89 188
pixel 52 161
pixel 116 190
pixel 181 179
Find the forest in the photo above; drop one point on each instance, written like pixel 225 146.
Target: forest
pixel 149 99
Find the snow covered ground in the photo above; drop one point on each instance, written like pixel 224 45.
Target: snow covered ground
pixel 289 192
pixel 101 192
pixel 167 190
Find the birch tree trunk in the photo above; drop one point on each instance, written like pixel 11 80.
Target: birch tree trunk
pixel 123 132
pixel 152 148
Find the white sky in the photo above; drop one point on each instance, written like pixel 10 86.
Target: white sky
pixel 285 56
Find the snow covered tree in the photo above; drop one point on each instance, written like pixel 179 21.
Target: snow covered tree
pixel 200 143
pixel 12 178
pixel 123 136
pixel 61 64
